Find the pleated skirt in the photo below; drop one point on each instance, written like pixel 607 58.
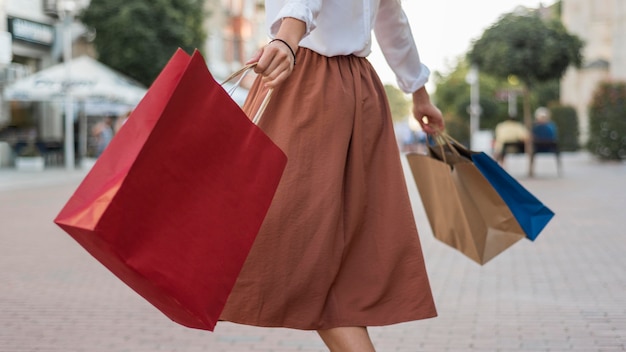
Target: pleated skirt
pixel 339 245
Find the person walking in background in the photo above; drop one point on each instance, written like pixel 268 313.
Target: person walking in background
pixel 121 120
pixel 510 136
pixel 102 133
pixel 544 130
pixel 339 249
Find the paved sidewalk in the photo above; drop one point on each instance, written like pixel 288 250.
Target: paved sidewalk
pixel 564 292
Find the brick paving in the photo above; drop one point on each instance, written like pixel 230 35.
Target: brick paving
pixel 564 292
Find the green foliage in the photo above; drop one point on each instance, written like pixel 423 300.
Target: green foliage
pixel 137 37
pixel 559 9
pixel 451 89
pixel 458 129
pixel 399 104
pixel 607 121
pixel 452 96
pixel 492 111
pixel 546 93
pixel 566 120
pixel 527 47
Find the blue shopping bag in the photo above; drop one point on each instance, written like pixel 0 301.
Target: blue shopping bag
pixel 531 214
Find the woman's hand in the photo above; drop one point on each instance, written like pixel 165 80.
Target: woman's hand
pixel 276 60
pixel 426 113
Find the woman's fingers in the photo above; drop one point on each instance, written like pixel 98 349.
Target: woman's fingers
pixel 275 64
pixel 429 117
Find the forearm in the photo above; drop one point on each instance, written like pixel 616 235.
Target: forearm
pixel 291 30
pixel 276 60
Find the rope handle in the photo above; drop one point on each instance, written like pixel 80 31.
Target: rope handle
pixel 443 139
pixel 440 145
pixel 446 138
pixel 451 139
pixel 241 73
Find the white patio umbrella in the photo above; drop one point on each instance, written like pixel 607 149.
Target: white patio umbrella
pixel 91 84
pixel 90 81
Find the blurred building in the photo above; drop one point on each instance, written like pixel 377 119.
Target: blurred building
pixel 601 24
pixel 32 32
pixel 31 39
pixel 234 33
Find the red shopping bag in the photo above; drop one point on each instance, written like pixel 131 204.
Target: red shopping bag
pixel 173 205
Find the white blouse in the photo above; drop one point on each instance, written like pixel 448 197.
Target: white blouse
pixel 344 27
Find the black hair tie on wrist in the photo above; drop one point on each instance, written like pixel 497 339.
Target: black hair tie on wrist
pixel 289 46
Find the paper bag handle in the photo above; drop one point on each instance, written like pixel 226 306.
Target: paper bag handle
pixel 442 139
pixel 242 72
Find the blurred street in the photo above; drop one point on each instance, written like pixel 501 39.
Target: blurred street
pixel 564 292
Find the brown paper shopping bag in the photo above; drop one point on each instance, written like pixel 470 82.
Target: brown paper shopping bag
pixel 463 209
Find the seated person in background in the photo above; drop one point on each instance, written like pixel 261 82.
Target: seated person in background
pixel 509 134
pixel 545 133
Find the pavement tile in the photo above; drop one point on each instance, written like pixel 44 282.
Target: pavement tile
pixel 562 292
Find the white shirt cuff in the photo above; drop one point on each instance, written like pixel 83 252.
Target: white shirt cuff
pixel 410 84
pixel 295 10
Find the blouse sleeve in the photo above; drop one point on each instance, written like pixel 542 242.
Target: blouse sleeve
pixel 303 10
pixel 393 34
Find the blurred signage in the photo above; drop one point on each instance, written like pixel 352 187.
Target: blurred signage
pixel 32 32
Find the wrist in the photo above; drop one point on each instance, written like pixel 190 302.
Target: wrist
pixel 291 31
pixel 421 96
pixel 293 53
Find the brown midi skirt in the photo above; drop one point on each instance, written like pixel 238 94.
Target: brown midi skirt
pixel 339 246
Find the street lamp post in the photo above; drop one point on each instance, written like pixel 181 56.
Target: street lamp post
pixel 66 11
pixel 474 107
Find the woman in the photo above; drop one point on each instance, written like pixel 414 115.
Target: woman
pixel 338 250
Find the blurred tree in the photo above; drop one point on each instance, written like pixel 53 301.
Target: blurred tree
pixel 452 96
pixel 399 103
pixel 566 120
pixel 530 48
pixel 137 37
pixel 607 121
pixel 546 93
